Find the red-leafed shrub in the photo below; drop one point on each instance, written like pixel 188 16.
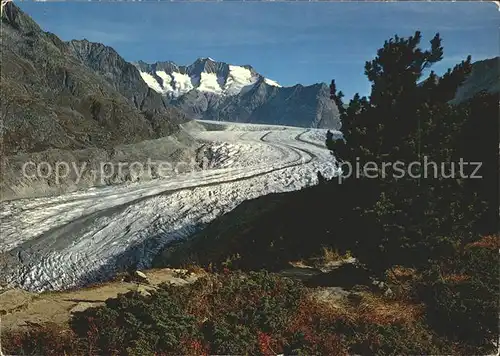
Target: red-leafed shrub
pixel 48 339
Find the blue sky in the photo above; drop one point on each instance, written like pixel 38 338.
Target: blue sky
pixel 290 42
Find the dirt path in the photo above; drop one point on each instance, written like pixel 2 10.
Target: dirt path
pixel 19 308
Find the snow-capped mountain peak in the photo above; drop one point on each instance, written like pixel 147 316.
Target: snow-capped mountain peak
pixel 204 75
pixel 271 82
pixel 211 90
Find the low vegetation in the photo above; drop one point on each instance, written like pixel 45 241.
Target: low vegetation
pixel 449 310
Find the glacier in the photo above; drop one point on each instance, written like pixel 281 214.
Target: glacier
pixel 87 236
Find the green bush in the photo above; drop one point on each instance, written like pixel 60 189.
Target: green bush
pixel 241 307
pixel 245 314
pixel 373 339
pixel 462 304
pixel 133 323
pixel 48 340
pixel 220 314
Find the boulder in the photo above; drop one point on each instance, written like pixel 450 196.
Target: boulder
pixel 140 274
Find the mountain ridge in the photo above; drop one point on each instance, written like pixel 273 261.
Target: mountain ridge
pixel 485 76
pixel 52 99
pixel 159 95
pixel 211 90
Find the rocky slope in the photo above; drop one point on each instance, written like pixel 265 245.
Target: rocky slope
pixel 214 90
pixel 485 76
pixel 53 98
pixel 126 79
pixel 79 103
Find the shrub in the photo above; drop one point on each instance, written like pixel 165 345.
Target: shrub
pixel 313 332
pixel 264 314
pixel 242 308
pixel 135 323
pixel 462 302
pixel 229 313
pixel 369 326
pixel 48 339
pixel 375 339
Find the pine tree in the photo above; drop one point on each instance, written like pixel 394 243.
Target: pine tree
pixel 407 221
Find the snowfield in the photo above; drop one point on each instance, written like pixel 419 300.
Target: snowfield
pixel 238 80
pixel 87 236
